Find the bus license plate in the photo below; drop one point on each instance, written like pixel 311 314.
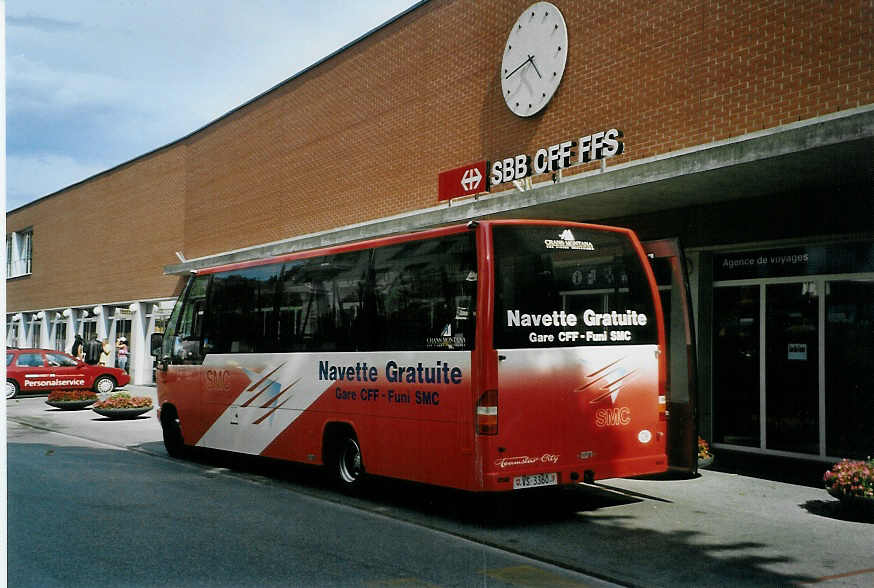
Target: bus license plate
pixel 535 481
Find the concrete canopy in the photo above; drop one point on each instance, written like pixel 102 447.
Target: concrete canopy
pixel 826 151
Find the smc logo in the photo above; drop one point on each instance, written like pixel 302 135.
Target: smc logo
pixel 612 417
pixel 218 380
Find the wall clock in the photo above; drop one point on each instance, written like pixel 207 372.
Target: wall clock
pixel 534 59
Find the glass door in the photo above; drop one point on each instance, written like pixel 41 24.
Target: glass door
pixel 792 367
pixel 60 335
pixel 736 381
pixel 849 366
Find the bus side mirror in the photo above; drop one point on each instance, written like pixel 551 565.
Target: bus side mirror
pixel 155 344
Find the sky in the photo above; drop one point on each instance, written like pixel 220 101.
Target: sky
pixel 91 84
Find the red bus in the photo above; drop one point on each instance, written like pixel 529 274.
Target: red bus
pixel 489 356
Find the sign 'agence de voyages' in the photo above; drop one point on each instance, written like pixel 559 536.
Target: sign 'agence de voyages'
pixel 472 179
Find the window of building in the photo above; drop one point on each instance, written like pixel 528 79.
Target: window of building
pixel 36 328
pixel 60 336
pixel 89 329
pixel 19 253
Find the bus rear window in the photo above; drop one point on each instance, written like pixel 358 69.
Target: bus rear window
pixel 570 286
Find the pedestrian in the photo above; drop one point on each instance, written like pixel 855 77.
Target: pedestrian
pixel 93 351
pixel 105 352
pixel 78 350
pixel 121 353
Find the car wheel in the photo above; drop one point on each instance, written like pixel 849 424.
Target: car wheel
pixel 104 385
pixel 349 467
pixel 11 389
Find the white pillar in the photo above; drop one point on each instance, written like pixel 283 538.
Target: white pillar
pixel 112 323
pixel 102 327
pixel 69 317
pixel 139 360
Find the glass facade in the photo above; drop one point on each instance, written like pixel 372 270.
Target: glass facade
pixel 849 365
pixel 792 368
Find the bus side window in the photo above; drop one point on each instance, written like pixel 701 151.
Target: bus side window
pixel 427 291
pixel 319 302
pixel 242 311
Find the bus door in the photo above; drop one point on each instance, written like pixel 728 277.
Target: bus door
pixel 179 368
pixel 669 265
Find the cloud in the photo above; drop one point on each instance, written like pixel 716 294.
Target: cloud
pixel 92 84
pixel 39 86
pixel 41 23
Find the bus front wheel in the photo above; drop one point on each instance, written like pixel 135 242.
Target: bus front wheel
pixel 170 426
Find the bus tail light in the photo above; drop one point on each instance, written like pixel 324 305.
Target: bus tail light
pixel 487 413
pixel 663 409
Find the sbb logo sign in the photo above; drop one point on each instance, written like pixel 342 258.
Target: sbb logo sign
pixel 600 145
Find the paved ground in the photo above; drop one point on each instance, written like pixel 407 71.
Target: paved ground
pixel 718 529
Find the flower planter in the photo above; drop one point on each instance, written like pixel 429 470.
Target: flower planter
pixel 122 405
pixel 71 404
pixel 122 413
pixel 705 462
pixel 859 505
pixel 71 398
pixel 852 482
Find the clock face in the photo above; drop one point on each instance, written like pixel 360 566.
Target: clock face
pixel 534 59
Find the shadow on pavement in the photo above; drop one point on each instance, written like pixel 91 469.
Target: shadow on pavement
pixel 835 509
pixel 603 531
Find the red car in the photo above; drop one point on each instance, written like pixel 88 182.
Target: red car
pixel 41 370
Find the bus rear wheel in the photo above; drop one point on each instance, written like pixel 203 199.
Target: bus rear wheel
pixel 348 464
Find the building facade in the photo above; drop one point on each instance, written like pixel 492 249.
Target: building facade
pixel 742 131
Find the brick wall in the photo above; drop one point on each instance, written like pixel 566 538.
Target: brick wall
pixel 365 134
pixel 104 240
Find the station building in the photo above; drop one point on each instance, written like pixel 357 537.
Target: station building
pixel 742 133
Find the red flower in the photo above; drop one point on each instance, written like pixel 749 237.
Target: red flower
pixel 71 394
pixel 852 478
pixel 124 400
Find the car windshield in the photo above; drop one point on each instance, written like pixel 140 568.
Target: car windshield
pixel 60 360
pixel 9 358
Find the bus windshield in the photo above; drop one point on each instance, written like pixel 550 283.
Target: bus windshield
pixel 570 286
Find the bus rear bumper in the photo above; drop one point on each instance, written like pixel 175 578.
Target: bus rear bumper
pixel 574 474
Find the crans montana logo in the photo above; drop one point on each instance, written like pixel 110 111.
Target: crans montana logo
pixel 566 240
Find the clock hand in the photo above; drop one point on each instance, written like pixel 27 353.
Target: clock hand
pixel 534 65
pixel 523 64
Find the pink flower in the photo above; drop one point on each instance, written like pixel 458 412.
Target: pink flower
pixel 851 477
